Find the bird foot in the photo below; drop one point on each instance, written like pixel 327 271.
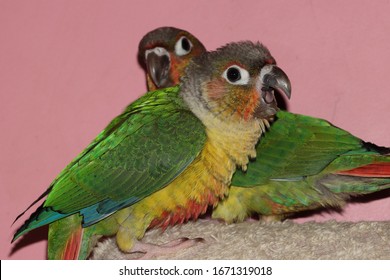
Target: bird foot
pixel 153 250
pixel 251 220
pixel 272 218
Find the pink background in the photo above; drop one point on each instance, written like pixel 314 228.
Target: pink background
pixel 68 67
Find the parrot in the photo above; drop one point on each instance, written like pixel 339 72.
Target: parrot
pixel 167 158
pixel 303 163
pixel 165 52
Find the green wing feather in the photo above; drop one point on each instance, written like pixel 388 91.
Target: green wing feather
pixel 139 152
pixel 295 146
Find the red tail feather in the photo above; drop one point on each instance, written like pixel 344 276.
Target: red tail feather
pixel 370 170
pixel 73 245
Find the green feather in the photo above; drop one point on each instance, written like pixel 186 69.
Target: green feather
pixel 296 169
pixel 141 151
pixel 295 146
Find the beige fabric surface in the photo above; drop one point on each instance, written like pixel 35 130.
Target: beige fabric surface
pixel 277 240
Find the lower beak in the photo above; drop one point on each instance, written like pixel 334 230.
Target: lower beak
pixel 272 78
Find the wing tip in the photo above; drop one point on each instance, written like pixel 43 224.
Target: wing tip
pixel 42 216
pixel 375 148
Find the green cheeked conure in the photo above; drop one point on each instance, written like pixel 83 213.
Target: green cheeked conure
pixel 168 157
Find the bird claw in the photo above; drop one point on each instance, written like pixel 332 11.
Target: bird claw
pixel 272 218
pixel 153 250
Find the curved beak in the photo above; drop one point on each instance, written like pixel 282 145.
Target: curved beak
pixel 158 65
pixel 272 78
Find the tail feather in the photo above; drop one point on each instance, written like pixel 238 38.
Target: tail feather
pixel 354 185
pixel 379 170
pixel 65 238
pixel 73 245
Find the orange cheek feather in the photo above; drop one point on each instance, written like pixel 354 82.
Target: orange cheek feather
pixel 176 71
pixel 244 103
pixel 177 68
pixel 248 104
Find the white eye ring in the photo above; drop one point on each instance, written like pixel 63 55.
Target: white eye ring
pixel 236 75
pixel 183 46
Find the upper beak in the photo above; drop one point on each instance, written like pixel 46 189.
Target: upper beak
pixel 274 77
pixel 158 64
pixel 271 78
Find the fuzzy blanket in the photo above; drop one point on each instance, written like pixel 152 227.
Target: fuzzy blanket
pixel 278 240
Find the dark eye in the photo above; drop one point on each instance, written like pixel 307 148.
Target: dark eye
pixel 233 75
pixel 236 75
pixel 183 46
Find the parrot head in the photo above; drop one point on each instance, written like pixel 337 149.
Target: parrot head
pixel 165 52
pixel 235 83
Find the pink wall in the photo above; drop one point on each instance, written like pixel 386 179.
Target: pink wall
pixel 68 67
